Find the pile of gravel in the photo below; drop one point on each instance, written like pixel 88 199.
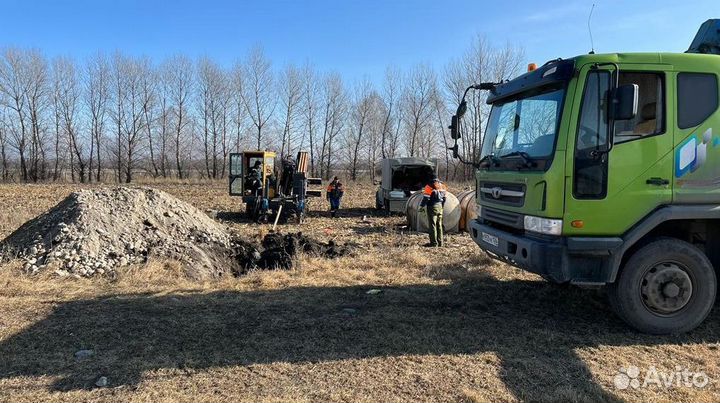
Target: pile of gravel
pixel 92 232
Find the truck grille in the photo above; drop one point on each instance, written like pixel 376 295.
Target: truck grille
pixel 510 194
pixel 508 218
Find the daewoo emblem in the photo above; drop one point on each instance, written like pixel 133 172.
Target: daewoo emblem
pixel 496 192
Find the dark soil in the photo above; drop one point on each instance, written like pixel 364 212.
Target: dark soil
pixel 280 251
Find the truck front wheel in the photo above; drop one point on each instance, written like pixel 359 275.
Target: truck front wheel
pixel 667 286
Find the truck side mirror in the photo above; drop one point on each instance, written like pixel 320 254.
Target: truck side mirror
pixel 461 109
pixel 454 133
pixel 625 102
pixel 454 150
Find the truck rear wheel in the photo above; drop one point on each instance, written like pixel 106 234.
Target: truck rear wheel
pixel 667 286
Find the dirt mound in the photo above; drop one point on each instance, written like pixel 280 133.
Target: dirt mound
pixel 278 251
pixel 95 231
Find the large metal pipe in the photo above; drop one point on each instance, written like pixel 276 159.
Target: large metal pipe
pixel 418 221
pixel 468 209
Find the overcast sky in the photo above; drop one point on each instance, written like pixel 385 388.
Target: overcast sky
pixel 354 38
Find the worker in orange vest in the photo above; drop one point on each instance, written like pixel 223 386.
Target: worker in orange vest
pixel 433 201
pixel 334 194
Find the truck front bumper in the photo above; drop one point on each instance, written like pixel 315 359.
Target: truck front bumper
pixel 581 260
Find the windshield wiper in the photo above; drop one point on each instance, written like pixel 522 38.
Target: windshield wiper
pixel 490 158
pixel 527 159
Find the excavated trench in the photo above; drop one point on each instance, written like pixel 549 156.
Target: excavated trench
pixel 280 251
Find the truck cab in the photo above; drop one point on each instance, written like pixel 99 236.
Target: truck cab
pixel 604 169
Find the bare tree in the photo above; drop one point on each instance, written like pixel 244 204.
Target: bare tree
pixel 311 107
pixel 211 107
pixel 165 122
pixel 128 75
pixel 4 163
pixel 119 65
pixel 507 62
pixel 149 83
pixel 59 133
pixel 442 113
pixel 334 109
pixel 362 109
pixel 205 81
pixel 258 91
pixel 67 100
pixel 390 127
pixel 455 81
pixel 178 74
pixel 476 65
pixel 97 93
pixel 225 100
pixel 15 88
pixel 480 63
pixel 37 101
pixel 418 105
pixel 290 95
pixel 24 90
pixel 376 127
pixel 239 119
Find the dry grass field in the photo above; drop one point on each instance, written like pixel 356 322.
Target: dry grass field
pixel 448 324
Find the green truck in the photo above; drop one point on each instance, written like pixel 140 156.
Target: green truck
pixel 604 170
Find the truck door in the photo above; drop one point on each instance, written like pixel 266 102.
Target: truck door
pixel 611 186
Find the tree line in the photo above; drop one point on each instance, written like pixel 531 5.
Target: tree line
pixel 116 117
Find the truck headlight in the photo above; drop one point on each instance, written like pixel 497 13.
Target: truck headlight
pixel 478 210
pixel 543 225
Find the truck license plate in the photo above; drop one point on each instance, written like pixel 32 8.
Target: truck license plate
pixel 491 239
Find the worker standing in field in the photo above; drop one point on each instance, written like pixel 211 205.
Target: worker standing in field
pixel 335 193
pixel 433 201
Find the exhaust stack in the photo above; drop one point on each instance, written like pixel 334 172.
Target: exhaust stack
pixel 707 39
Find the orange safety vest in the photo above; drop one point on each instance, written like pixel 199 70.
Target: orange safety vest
pixel 335 188
pixel 429 189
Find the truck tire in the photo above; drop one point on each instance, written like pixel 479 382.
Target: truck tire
pixel 667 286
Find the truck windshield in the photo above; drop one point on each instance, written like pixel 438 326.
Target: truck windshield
pixel 524 126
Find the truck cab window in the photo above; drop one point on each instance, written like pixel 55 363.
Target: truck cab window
pixel 697 95
pixel 590 177
pixel 650 119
